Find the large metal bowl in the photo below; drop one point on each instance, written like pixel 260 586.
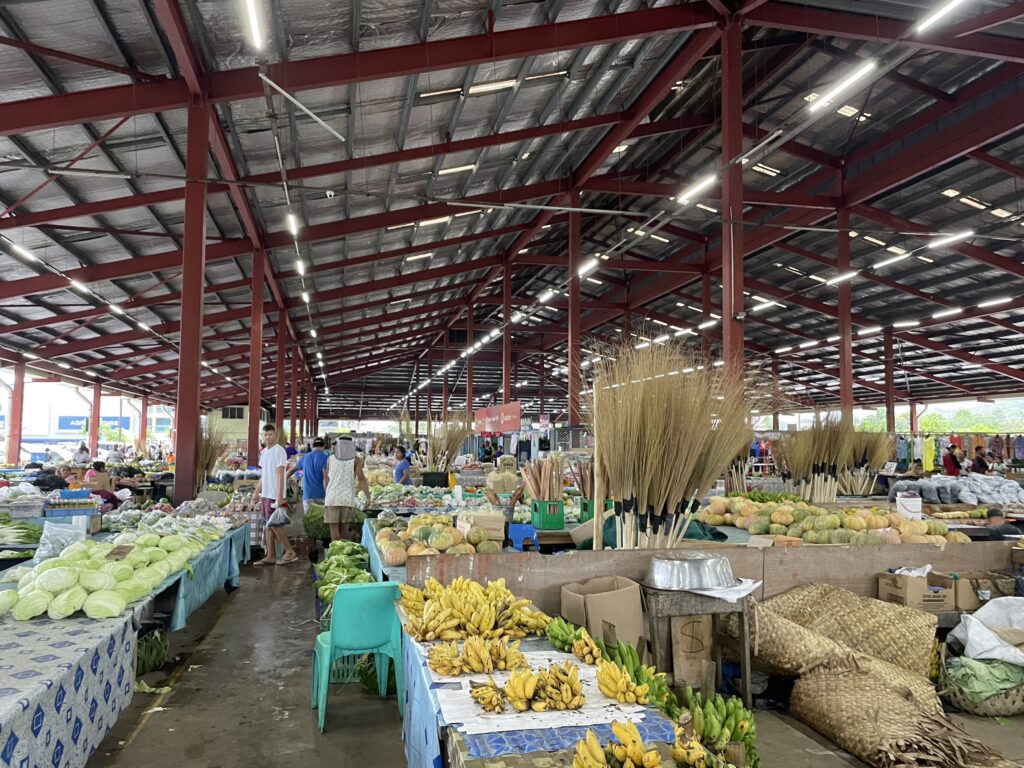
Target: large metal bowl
pixel 690 570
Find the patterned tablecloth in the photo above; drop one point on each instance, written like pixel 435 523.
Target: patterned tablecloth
pixel 62 686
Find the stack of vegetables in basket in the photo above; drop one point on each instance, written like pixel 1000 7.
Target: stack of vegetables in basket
pixel 84 578
pixel 345 563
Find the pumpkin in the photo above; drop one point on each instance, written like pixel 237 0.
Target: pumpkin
pixel 456 535
pixel 461 549
pixel 744 522
pixel 956 537
pixel 385 534
pixel 854 523
pixel 718 505
pixel 913 538
pixel 799 515
pixel 919 527
pixel 393 555
pixel 476 535
pixel 808 523
pixel 759 527
pixel 877 522
pixel 888 536
pixel 895 520
pixel 937 528
pixel 416 548
pixel 488 547
pixel 440 540
pixel 780 517
pixel 840 536
pixel 778 530
pixel 811 537
pixel 715 520
pixel 795 530
pixel 430 551
pixel 423 533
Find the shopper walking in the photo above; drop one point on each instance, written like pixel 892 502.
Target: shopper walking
pixel 82 455
pixel 950 462
pixel 403 468
pixel 343 473
pixel 312 465
pixel 270 495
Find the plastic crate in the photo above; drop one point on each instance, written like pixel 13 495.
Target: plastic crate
pixel 547 515
pixel 67 493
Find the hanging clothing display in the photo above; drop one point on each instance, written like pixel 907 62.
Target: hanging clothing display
pixel 901 448
pixel 956 440
pixel 918 449
pixel 1018 448
pixel 928 454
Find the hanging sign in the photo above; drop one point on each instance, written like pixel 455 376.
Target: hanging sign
pixel 499 418
pixel 545 421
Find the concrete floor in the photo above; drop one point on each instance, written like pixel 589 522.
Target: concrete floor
pixel 240 692
pixel 240 697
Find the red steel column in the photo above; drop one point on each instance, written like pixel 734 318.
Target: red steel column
pixel 293 409
pixel 913 417
pixel 94 420
pixel 430 387
pixel 506 334
pixel 732 197
pixel 415 380
pixel 192 293
pixel 890 382
pixel 705 310
pixel 282 351
pixel 255 358
pixel 775 412
pixel 845 321
pixel 573 364
pixel 144 420
pixel 469 365
pixel 15 416
pixel 542 375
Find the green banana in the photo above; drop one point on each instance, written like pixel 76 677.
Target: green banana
pixel 688 697
pixel 698 721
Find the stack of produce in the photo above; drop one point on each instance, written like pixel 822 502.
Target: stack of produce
pixel 476 655
pixel 84 578
pixel 714 723
pixel 556 688
pixel 430 535
pixel 379 478
pixel 345 563
pixel 15 532
pixel 975 514
pixel 465 608
pixel 628 752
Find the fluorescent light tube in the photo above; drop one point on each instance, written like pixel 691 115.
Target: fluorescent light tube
pixel 841 278
pixel 254 24
pixel 305 297
pixel 947 312
pixel 428 222
pixel 906 324
pixel 443 92
pixel 419 256
pixel 994 302
pixel 866 331
pixel 587 267
pixel 940 13
pixel 312 332
pixel 951 238
pixel 78 286
pixel 517 317
pixel 87 172
pixel 887 262
pixel 780 350
pixel 497 85
pixel 847 82
pixel 293 225
pixel 456 169
pixel 686 195
pixel 546 296
pixel 661 339
pixel 707 324
pixel 115 309
pixel 300 267
pixel 808 344
pixel 319 355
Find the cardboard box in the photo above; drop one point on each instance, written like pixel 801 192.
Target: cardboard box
pixel 607 600
pixel 932 595
pixel 492 522
pixel 975 588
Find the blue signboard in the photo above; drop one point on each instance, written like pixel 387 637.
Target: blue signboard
pixel 3 420
pixel 71 423
pixel 117 422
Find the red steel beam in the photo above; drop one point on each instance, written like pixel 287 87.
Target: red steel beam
pixel 16 416
pixel 822 21
pixel 52 53
pixel 980 23
pixel 255 363
pixel 98 104
pixel 750 196
pixel 845 308
pixel 732 198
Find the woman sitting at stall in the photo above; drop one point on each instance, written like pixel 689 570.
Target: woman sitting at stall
pixel 98 479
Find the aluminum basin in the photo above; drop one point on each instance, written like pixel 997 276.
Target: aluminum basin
pixel 690 570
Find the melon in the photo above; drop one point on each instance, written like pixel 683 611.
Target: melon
pixel 841 536
pixel 888 536
pixel 956 537
pixel 876 522
pixel 393 555
pixel 416 548
pixel 440 540
pixel 865 540
pixel 475 535
pixel 423 533
pixel 384 534
pixel 461 549
pixel 778 530
pixel 456 535
pixel 799 515
pixel 795 530
pixel 811 537
pixel 488 547
pixel 854 523
pixel 937 528
pixel 715 520
pixel 428 551
pixel 821 524
pixel 779 517
pixel 759 527
pixel 913 538
pixel 808 523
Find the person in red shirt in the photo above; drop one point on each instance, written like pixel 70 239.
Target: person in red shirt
pixel 950 462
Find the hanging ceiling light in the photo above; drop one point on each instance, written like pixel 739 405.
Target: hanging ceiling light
pixel 951 238
pixel 254 24
pixel 846 83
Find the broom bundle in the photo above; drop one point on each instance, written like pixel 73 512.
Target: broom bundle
pixel 445 441
pixel 210 444
pixel 582 473
pixel 868 453
pixel 813 458
pixel 667 424
pixel 543 478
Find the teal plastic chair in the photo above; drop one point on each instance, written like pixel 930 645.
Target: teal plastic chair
pixel 363 620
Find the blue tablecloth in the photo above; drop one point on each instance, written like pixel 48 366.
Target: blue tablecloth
pixel 422 715
pixel 377 568
pixel 214 567
pixel 62 686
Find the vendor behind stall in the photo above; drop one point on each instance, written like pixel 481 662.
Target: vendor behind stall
pixel 98 479
pixel 997 525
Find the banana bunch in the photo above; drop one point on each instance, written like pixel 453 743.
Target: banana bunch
pixel 506 655
pixel 584 648
pixel 476 655
pixel 718 721
pixel 615 683
pixel 520 688
pixel 489 612
pixel 412 599
pixel 445 659
pixel 561 634
pixel 658 692
pixel 488 695
pixel 559 688
pixel 630 751
pixel 589 753
pixel 688 751
pixel 436 623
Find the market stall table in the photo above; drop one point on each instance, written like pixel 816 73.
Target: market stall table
pixel 380 571
pixel 423 728
pixel 62 686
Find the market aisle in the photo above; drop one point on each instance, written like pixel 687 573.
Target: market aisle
pixel 245 701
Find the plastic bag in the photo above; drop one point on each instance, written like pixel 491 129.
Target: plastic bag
pixel 55 539
pixel 124 494
pixel 993 631
pixel 279 517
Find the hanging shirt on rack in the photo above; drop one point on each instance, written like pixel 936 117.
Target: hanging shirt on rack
pixel 979 442
pixel 901 448
pixel 918 449
pixel 956 440
pixel 1018 447
pixel 928 455
pixel 997 445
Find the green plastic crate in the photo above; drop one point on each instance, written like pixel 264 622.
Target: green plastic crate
pixel 547 515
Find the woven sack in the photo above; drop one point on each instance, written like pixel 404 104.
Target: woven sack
pixel 894 633
pixel 880 720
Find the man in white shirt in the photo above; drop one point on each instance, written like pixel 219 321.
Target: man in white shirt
pixel 270 493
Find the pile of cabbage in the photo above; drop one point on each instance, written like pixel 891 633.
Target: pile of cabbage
pixel 345 563
pixel 83 579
